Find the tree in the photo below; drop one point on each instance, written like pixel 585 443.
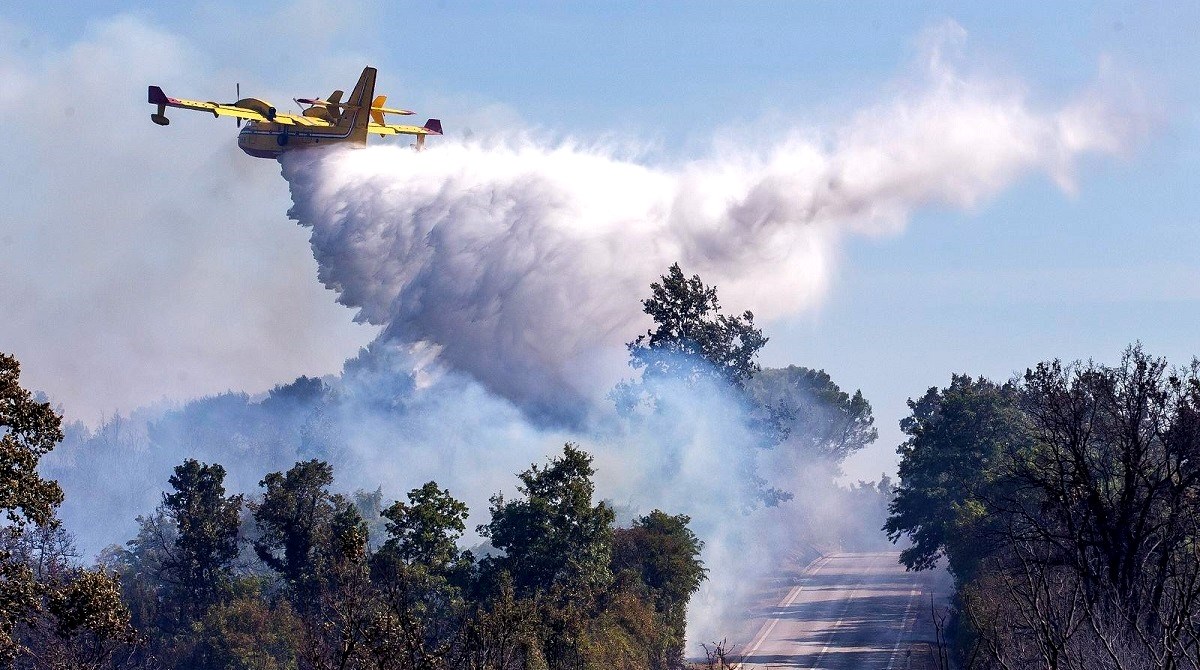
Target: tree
pixel 1112 493
pixel 206 541
pixel 140 567
pixel 557 547
pixel 424 531
pixel 28 431
pixel 958 439
pixel 554 536
pixel 501 632
pixel 79 619
pixel 249 633
pixel 317 542
pixel 293 518
pixel 810 414
pixel 418 574
pixel 664 554
pixel 692 339
pixel 91 624
pixel 1068 503
pixel 339 609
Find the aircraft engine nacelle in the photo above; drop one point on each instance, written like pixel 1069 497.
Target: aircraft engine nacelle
pixel 257 105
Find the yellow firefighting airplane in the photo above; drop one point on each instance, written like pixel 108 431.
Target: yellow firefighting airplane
pixel 269 132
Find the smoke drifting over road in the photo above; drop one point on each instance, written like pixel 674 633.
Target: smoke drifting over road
pixel 523 263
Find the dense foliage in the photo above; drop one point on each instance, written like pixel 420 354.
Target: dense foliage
pixel 318 596
pixel 294 575
pixel 1068 505
pixel 290 579
pixel 692 338
pixel 810 415
pixel 53 614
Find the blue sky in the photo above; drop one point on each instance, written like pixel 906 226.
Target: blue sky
pixel 1031 274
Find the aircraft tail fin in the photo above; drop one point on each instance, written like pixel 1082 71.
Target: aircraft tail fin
pixel 357 114
pixel 334 104
pixel 432 127
pixel 160 99
pixel 377 109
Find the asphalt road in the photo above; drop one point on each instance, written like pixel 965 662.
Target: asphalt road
pixel 843 611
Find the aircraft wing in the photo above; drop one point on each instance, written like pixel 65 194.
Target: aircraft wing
pixel 431 127
pixel 255 110
pixel 297 120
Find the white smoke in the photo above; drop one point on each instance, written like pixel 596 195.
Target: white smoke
pixel 140 262
pixel 520 265
pixel 525 263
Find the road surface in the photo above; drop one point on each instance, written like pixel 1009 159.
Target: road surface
pixel 858 611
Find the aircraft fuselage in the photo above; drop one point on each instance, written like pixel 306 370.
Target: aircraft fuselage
pixel 269 140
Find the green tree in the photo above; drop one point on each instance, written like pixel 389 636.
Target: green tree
pixel 1068 504
pixel 553 535
pixel 951 472
pixel 144 579
pixel 78 620
pixel 206 540
pixel 501 632
pixel 338 607
pixel 664 554
pixel 810 414
pixel 294 517
pixel 317 542
pixel 249 633
pixel 425 530
pixel 28 431
pixel 692 338
pixel 418 574
pixel 91 624
pixel 557 548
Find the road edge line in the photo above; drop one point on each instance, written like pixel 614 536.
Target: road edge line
pixel 768 626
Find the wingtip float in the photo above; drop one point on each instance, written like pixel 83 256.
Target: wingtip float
pixel 269 132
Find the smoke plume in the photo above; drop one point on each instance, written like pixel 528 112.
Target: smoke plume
pixel 507 274
pixel 523 263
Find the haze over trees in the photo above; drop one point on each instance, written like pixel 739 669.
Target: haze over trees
pixel 292 573
pixel 692 338
pixel 52 612
pixel 313 594
pixel 288 578
pixel 1066 503
pixel 811 415
pixel 693 341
